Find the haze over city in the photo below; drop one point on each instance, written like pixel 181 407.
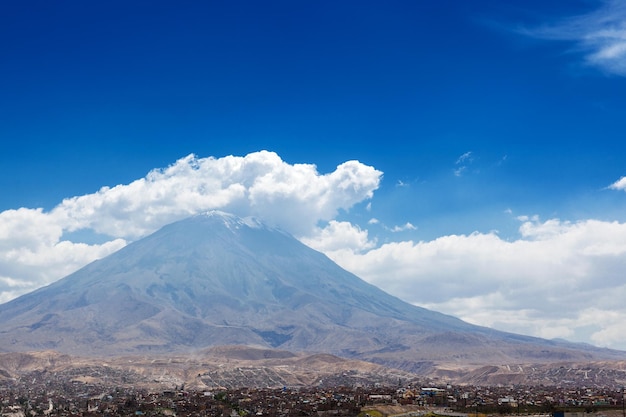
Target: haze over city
pixel 465 157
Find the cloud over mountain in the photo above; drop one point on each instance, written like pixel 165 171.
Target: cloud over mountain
pixel 35 248
pixel 217 279
pixel 559 279
pixel 555 278
pixel 294 196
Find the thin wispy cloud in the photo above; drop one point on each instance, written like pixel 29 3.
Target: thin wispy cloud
pixel 467 156
pixel 458 172
pixel 599 35
pixel 462 162
pixel 403 228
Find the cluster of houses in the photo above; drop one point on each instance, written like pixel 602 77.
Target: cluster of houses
pixel 83 399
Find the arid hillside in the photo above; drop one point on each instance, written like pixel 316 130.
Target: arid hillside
pixel 228 367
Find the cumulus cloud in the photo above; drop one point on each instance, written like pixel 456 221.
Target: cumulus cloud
pixel 339 237
pixel 261 184
pixel 34 249
pixel 550 282
pixel 600 35
pixel 33 253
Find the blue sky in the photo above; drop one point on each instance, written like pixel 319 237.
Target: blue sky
pixel 487 125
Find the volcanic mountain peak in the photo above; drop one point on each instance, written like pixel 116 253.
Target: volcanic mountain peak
pixel 230 220
pixel 216 279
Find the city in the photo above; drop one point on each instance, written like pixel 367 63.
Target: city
pixel 57 397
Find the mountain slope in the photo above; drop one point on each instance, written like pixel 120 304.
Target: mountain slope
pixel 215 279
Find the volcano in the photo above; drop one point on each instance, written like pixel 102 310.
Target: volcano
pixel 215 279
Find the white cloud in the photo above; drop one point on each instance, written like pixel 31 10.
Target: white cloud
pixel 256 184
pixel 546 283
pixel 459 171
pixel 32 252
pixel 613 326
pixel 466 157
pixel 619 184
pixel 292 196
pixel 404 227
pixel 295 197
pixel 339 236
pixel 462 162
pixel 600 35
